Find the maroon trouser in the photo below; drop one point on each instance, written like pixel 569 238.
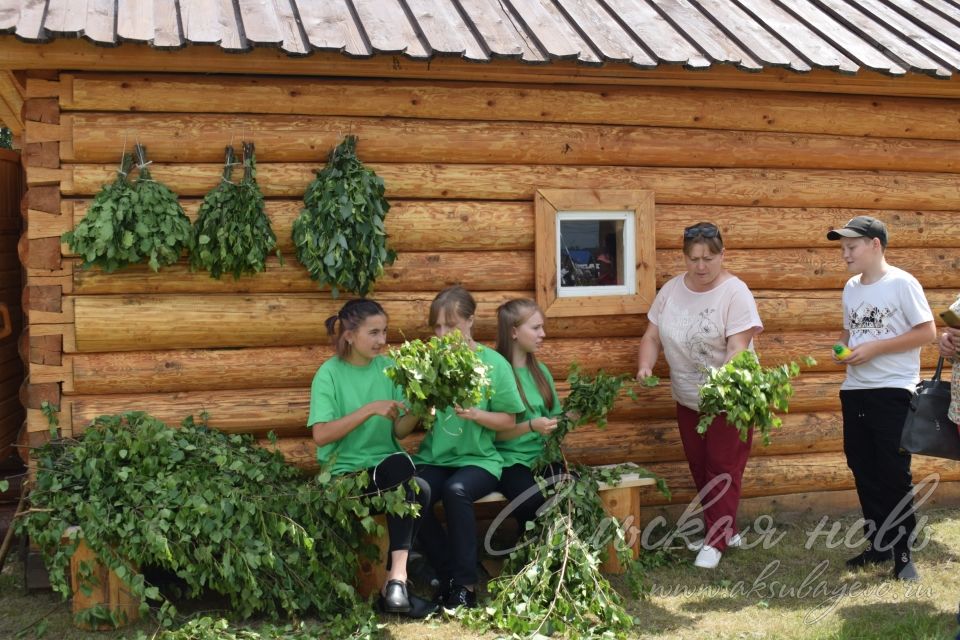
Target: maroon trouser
pixel 717 459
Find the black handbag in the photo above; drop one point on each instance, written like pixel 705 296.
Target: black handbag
pixel 927 430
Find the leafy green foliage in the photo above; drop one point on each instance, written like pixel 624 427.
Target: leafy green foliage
pixel 207 628
pixel 589 400
pixel 4 486
pixel 438 374
pixel 748 394
pixel 339 235
pixel 551 584
pixel 128 224
pixel 6 138
pixel 232 233
pixel 214 509
pixel 650 381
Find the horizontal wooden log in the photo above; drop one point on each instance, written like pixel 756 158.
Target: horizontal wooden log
pixel 285 410
pixel 775 475
pixel 653 441
pixel 445 225
pixel 648 105
pixel 793 269
pixel 252 368
pixel 412 271
pixel 741 187
pixel 138 322
pixel 201 137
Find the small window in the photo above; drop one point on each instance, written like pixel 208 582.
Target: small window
pixel 594 251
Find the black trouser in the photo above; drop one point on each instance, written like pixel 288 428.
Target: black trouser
pixel 519 480
pixel 872 425
pixel 394 470
pixel 453 553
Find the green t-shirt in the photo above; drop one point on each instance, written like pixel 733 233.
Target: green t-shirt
pixel 527 448
pixel 455 442
pixel 339 389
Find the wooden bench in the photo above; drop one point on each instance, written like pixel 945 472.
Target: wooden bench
pixel 621 501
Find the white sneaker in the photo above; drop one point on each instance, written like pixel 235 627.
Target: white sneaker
pixel 735 542
pixel 708 558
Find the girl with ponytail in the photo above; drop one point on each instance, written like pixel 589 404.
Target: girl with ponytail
pixel 520 334
pixel 356 417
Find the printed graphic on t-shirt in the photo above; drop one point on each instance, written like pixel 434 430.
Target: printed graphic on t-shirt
pixel 871 320
pixel 699 335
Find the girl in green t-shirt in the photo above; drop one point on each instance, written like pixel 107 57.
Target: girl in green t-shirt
pixel 356 417
pixel 520 333
pixel 458 459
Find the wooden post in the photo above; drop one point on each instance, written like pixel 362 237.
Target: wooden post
pixel 94 584
pixel 622 503
pixel 371 574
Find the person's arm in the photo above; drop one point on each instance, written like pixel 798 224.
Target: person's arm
pixel 739 342
pixel 327 432
pixel 649 351
pixel 948 343
pixel 405 424
pixel 921 334
pixel 493 420
pixel 541 425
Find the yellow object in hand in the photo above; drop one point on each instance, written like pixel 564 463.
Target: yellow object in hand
pixel 842 351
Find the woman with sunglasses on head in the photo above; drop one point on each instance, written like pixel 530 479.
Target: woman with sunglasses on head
pixel 458 458
pixel 520 333
pixel 356 416
pixel 700 319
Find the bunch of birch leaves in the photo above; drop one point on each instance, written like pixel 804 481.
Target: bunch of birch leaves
pixel 232 233
pixel 340 236
pixel 131 223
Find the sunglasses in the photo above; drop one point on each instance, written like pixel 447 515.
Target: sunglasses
pixel 701 231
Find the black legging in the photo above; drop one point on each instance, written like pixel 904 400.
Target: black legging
pixel 394 470
pixel 518 480
pixel 453 553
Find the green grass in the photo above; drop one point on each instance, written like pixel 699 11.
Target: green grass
pixel 790 591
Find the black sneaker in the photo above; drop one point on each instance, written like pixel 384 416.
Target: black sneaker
pixel 443 591
pixel 903 568
pixel 870 556
pixel 460 596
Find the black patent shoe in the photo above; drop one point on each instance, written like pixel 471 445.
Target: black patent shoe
pixel 394 598
pixel 460 596
pixel 868 557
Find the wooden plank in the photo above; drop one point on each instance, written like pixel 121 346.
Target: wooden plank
pixel 388 29
pixel 919 36
pixel 135 20
pixel 798 269
pixel 173 370
pixel 201 21
pixel 497 27
pixel 752 36
pixel 824 23
pixel 712 40
pixel 604 34
pixel 100 18
pixel 818 51
pixel 67 54
pixel 881 38
pixel 293 40
pixel 66 17
pixel 944 28
pixel 417 225
pixel 659 36
pixel 753 187
pixel 259 20
pixel 166 22
pixel 870 116
pixel 285 410
pixel 30 22
pixel 384 140
pixel 551 31
pixel 12 96
pixel 329 27
pixel 444 29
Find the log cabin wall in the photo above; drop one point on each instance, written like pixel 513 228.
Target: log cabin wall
pixel 11 288
pixel 461 162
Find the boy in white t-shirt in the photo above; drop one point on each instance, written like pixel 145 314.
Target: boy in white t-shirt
pixel 886 319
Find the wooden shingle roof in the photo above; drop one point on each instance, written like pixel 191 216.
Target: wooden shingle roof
pixel 888 36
